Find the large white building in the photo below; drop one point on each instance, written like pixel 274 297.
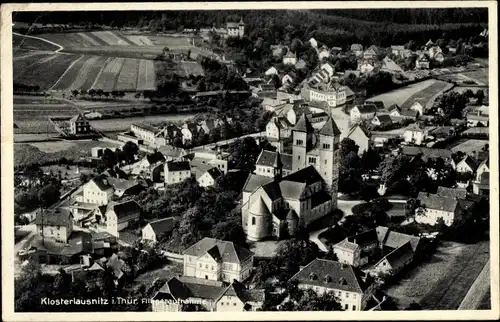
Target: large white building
pixel 217 260
pixel 333 93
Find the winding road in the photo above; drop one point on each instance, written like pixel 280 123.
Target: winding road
pixel 42 39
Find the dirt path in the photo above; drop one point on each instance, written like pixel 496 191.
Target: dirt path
pixel 42 39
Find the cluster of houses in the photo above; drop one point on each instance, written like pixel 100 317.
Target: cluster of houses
pixel 152 136
pixel 212 280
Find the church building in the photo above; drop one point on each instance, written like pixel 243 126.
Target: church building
pixel 276 206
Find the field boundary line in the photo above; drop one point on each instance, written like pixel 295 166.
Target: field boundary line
pixel 100 72
pixel 42 60
pixel 42 39
pixel 65 72
pixel 115 80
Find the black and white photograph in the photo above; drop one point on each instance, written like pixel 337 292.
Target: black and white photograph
pixel 240 158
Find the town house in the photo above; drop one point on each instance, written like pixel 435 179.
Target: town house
pixel 345 281
pixel 177 171
pixel 363 112
pixel 155 230
pixel 217 260
pixel 435 207
pixel 56 224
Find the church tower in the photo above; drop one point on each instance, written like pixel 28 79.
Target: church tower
pixel 241 28
pixel 303 135
pixel 329 147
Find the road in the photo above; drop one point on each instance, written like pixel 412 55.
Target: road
pixel 42 39
pixel 477 291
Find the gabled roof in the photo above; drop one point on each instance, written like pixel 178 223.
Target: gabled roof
pixel 452 192
pixel 155 157
pixel 356 47
pixel 345 244
pixel 308 175
pixel 366 108
pixel 332 275
pixel 54 217
pixel 289 54
pixel 214 172
pixel 394 107
pixel 303 125
pixel 178 166
pixel 102 183
pixel 394 239
pixel 470 162
pixel 365 238
pixel 269 159
pixel 330 128
pixel 399 256
pixel 384 118
pixel 435 202
pixel 229 252
pixel 255 181
pixel 292 190
pixel 147 127
pixel 164 225
pixel 427 152
pixel 126 209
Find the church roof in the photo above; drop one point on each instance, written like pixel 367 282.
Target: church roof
pixel 330 128
pixel 303 125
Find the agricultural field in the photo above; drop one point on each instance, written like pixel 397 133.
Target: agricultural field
pixel 468 146
pixel 169 41
pixel 21 42
pixel 44 72
pixel 427 95
pixel 87 74
pixel 127 80
pixel 140 40
pixel 33 118
pixel 146 77
pixel 107 78
pixel 442 281
pixel 29 153
pixel 480 76
pixel 401 95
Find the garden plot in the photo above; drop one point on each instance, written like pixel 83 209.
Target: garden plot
pixel 107 79
pixel 146 78
pixel 88 73
pixel 127 80
pixel 425 95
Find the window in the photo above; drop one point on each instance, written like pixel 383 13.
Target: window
pixel 234 304
pixel 312 160
pixel 346 295
pixel 326 146
pixel 253 220
pixel 298 157
pixel 299 142
pixel 326 161
pixel 222 303
pixel 201 265
pixel 212 267
pixel 206 266
pixel 354 307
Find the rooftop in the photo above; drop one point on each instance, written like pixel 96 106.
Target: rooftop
pixel 229 252
pixel 332 275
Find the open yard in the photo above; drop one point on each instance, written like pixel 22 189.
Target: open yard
pixel 401 95
pixel 443 281
pixel 468 146
pixel 427 95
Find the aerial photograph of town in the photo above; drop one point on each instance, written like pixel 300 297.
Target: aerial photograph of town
pixel 251 160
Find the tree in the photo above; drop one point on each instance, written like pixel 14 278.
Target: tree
pixel 109 159
pixel 370 160
pixel 480 96
pixel 49 195
pixel 243 154
pixel 130 150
